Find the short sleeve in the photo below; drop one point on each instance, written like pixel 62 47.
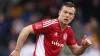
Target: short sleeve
pixel 71 40
pixel 41 27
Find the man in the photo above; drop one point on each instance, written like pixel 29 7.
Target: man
pixel 53 34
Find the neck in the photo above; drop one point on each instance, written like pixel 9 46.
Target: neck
pixel 63 26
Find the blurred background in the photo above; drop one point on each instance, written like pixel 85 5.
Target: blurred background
pixel 16 14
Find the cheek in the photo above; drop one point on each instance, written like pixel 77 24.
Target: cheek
pixel 63 15
pixel 72 17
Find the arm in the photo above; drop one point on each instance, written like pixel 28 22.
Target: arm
pixel 23 36
pixel 21 39
pixel 78 50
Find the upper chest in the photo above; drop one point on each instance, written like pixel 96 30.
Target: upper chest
pixel 56 34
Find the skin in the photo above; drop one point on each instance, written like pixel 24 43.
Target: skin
pixel 66 15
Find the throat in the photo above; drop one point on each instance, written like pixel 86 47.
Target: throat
pixel 63 26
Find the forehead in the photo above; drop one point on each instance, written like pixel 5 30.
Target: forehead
pixel 68 9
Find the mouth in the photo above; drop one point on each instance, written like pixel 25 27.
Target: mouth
pixel 65 19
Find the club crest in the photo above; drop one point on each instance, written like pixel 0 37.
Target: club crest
pixel 56 34
pixel 65 36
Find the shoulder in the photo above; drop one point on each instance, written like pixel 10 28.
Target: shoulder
pixel 48 22
pixel 69 29
pixel 52 21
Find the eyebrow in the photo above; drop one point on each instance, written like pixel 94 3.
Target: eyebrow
pixel 68 12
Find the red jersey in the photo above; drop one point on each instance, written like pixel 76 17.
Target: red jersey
pixel 51 38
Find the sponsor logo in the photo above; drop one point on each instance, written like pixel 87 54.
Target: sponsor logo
pixel 57 44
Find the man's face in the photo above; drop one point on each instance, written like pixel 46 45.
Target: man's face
pixel 66 14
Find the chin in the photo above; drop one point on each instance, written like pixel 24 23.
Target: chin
pixel 65 23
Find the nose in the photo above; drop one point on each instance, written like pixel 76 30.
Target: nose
pixel 67 14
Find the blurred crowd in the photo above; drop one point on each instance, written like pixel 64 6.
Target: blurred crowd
pixel 16 14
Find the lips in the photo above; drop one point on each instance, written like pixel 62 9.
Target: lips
pixel 65 19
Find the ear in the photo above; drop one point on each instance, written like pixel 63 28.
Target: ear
pixel 59 12
pixel 73 16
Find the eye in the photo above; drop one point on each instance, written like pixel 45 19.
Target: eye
pixel 68 12
pixel 71 13
pixel 65 12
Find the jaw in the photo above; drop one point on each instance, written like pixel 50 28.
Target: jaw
pixel 63 23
